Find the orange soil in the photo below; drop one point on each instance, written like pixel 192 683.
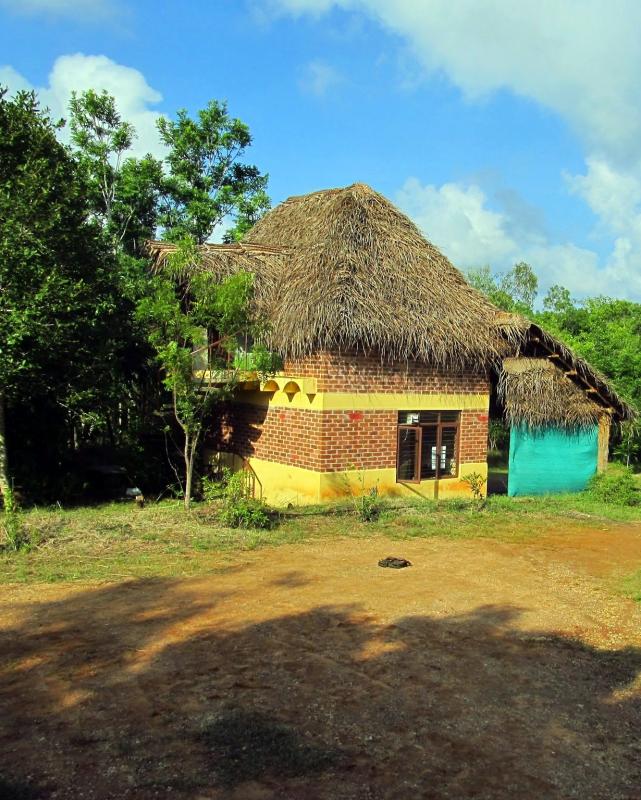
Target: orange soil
pixel 486 670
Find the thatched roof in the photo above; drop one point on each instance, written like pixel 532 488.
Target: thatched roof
pixel 345 269
pixel 569 391
pixel 536 393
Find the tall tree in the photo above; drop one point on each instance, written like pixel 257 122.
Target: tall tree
pixel 184 302
pixel 207 185
pixel 207 181
pixel 58 300
pixel 122 191
pixel 514 290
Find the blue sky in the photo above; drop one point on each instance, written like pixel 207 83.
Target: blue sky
pixel 507 131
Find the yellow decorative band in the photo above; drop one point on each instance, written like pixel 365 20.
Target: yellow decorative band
pixel 361 401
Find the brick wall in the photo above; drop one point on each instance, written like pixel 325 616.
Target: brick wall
pixel 473 436
pixel 356 372
pixel 329 441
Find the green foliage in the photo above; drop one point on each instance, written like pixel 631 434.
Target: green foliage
pixel 515 290
pixel 616 485
pixel 57 300
pixel 498 435
pixel 64 327
pixel 239 510
pixel 181 303
pixel 607 333
pixel 15 532
pixel 259 359
pixel 122 192
pixel 207 181
pixel 368 505
pixel 211 489
pixel 475 481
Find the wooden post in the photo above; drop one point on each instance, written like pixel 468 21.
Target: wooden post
pixel 604 442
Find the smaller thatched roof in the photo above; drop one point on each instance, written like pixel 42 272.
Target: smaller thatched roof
pixel 536 393
pixel 597 391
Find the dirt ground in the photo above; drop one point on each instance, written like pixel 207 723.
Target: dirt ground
pixel 486 670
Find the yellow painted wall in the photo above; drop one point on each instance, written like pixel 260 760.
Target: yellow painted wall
pixel 355 401
pixel 281 484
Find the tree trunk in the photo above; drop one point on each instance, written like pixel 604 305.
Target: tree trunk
pixel 191 442
pixel 189 471
pixel 4 469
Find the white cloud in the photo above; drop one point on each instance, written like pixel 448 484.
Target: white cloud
pixel 74 9
pixel 318 78
pixel 613 195
pixel 80 72
pixel 458 220
pixel 578 57
pixel 13 80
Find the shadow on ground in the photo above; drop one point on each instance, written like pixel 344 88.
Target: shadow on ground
pixel 139 690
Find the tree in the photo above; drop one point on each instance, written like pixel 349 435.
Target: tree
pixel 58 299
pixel 515 290
pixel 207 182
pixel 558 300
pixel 186 301
pixel 521 285
pixel 122 191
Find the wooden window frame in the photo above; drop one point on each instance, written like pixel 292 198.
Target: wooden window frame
pixel 418 427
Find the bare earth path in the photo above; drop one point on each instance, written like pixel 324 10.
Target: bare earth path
pixel 486 670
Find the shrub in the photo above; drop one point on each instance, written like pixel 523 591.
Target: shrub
pixel 14 531
pixel 368 505
pixel 616 485
pixel 239 510
pixel 246 513
pixel 475 481
pixel 211 490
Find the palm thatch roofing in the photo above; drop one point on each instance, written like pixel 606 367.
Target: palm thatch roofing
pixel 536 393
pixel 344 269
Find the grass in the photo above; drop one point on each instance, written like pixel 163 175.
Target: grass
pixel 118 541
pixel 631 586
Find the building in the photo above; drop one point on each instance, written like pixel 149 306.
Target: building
pixel 391 361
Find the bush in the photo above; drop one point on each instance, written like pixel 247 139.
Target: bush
pixel 246 513
pixel 211 490
pixel 475 481
pixel 239 510
pixel 14 531
pixel 368 506
pixel 616 485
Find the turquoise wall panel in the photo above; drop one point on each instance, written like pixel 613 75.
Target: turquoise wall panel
pixel 551 460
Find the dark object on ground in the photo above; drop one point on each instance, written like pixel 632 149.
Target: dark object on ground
pixel 394 563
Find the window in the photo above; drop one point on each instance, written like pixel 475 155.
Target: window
pixel 427 445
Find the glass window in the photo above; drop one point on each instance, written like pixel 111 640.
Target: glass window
pixel 429 455
pixel 427 445
pixel 407 456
